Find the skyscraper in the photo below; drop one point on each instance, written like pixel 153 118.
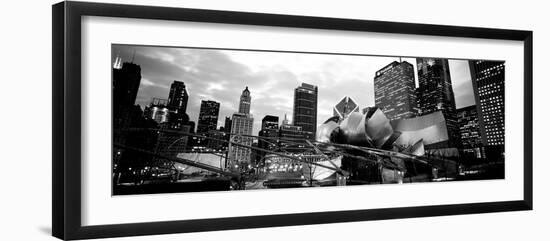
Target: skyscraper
pixel 241 124
pixel 488 84
pixel 305 109
pixel 345 107
pixel 394 90
pixel 178 97
pixel 244 103
pixel 270 130
pixel 177 104
pixel 126 80
pixel 208 116
pixel 436 94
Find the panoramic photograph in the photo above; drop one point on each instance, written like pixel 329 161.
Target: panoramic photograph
pixel 187 119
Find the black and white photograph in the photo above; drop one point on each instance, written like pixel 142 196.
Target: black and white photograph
pixel 218 120
pixel 192 119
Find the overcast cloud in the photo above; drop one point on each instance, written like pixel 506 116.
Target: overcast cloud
pixel 271 77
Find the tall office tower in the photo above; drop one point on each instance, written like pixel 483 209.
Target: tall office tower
pixel 244 103
pixel 177 104
pixel 126 80
pixel 178 97
pixel 208 116
pixel 305 109
pixel 488 84
pixel 241 126
pixel 270 132
pixel 436 94
pixel 394 90
pixel 345 107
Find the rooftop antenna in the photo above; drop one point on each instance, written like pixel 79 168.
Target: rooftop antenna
pixel 118 61
pixel 133 56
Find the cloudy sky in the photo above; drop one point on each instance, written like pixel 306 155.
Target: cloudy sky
pixel 271 77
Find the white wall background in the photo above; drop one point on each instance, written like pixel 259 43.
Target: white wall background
pixel 25 119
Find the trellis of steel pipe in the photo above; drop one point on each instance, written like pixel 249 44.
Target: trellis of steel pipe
pixel 181 160
pixel 240 145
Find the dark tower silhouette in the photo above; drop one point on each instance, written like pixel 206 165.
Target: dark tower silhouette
pixel 208 116
pixel 270 129
pixel 178 97
pixel 177 103
pixel 305 109
pixel 227 124
pixel 126 82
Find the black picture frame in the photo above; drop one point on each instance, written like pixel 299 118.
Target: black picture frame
pixel 66 59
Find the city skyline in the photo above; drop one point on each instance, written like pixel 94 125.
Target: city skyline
pixel 328 142
pixel 270 76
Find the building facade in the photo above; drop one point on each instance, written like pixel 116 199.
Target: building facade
pixel 227 124
pixel 270 132
pixel 305 109
pixel 291 137
pixel 468 122
pixel 241 127
pixel 208 116
pixel 217 143
pixel 346 106
pixel 435 93
pixel 178 97
pixel 177 104
pixel 394 90
pixel 158 110
pixel 270 122
pixel 488 84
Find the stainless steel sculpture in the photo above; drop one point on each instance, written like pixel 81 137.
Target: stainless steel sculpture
pixel 374 129
pixel 396 147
